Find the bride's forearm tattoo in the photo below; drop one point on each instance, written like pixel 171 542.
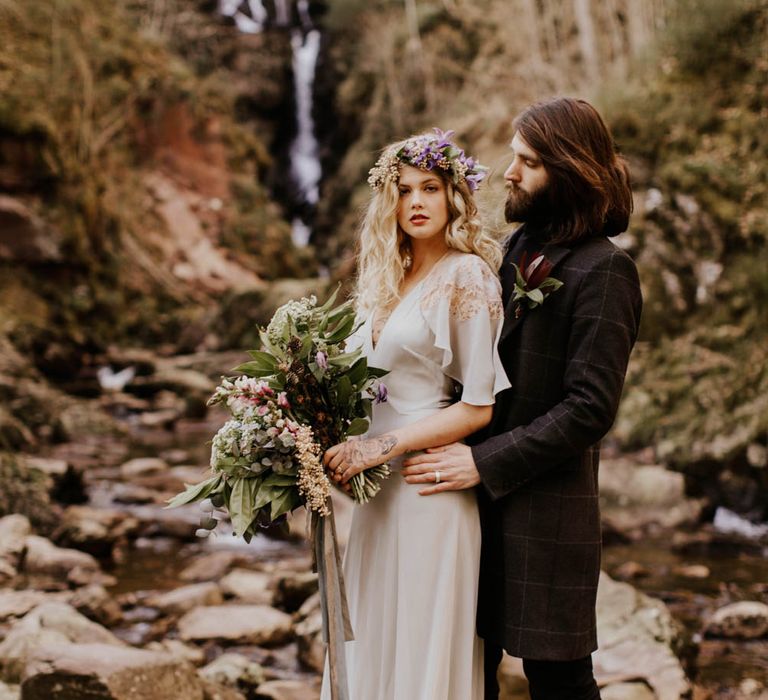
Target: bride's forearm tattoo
pixel 368 452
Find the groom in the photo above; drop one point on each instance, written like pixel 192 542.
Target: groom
pixel 566 358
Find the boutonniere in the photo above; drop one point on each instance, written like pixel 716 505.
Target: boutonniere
pixel 532 282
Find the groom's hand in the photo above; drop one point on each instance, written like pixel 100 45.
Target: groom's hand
pixel 454 463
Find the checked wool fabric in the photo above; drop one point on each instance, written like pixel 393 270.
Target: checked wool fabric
pixel 538 459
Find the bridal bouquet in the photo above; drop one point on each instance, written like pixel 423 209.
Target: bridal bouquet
pixel 300 394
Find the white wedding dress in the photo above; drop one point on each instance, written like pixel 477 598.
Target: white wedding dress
pixel 411 565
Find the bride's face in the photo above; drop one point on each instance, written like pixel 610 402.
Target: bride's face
pixel 422 211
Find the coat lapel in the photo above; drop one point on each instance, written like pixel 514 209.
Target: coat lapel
pixel 513 316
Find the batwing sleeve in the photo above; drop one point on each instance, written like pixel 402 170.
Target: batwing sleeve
pixel 463 309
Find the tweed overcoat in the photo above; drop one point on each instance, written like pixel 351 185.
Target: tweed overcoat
pixel 538 461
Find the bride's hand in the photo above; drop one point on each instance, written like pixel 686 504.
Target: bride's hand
pixel 346 459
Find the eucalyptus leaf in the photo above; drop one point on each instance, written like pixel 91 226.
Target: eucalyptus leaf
pixel 263 359
pixel 358 372
pixel 343 391
pixel 196 492
pixel 279 480
pixel 284 503
pixel 254 369
pixel 241 510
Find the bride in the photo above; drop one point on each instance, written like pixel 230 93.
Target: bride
pixel 431 303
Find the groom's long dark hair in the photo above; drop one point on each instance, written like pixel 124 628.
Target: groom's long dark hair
pixel 589 186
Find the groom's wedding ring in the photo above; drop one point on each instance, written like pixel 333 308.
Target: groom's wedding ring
pixel 437 477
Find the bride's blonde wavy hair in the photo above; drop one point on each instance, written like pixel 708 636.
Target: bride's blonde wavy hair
pixel 384 249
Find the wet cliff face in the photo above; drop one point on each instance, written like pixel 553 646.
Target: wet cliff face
pixel 149 197
pixel 698 389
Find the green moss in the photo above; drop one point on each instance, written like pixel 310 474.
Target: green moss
pixel 25 490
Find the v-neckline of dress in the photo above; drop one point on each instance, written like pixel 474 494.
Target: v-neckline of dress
pixel 375 343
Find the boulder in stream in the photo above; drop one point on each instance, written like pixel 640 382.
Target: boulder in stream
pixel 287 690
pixel 242 624
pixel 105 672
pixel 46 559
pixel 49 623
pixel 743 620
pixel 248 586
pixel 234 670
pixel 309 634
pixel 183 599
pixel 637 638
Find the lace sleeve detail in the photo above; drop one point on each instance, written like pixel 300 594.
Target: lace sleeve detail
pixel 462 307
pixel 468 286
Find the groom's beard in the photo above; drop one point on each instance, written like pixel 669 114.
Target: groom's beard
pixel 527 207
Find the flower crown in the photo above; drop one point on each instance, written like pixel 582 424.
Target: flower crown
pixel 427 152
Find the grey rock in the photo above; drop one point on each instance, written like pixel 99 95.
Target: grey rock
pixel 287 690
pixel 54 623
pixel 142 466
pixel 309 634
pixel 744 620
pixel 248 586
pixel 179 650
pixel 9 692
pixel 634 497
pixel 14 529
pixel 245 624
pixel 636 637
pixel 104 672
pixel 185 598
pixel 14 604
pixel 234 670
pixel 44 557
pixel 627 691
pixel 210 567
pixel 294 588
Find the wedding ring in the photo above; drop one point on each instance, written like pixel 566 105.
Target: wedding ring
pixel 437 477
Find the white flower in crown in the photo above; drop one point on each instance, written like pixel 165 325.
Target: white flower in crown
pixel 427 152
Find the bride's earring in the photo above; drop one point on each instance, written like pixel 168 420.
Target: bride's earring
pixel 407 261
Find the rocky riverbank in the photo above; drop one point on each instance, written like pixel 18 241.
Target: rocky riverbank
pixel 115 597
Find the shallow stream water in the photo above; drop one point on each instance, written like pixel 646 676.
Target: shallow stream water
pixel 736 569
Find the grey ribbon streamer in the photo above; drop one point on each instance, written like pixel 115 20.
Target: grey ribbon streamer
pixel 333 600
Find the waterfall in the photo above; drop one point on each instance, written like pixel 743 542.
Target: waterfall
pixel 251 23
pixel 282 13
pixel 305 163
pixel 251 17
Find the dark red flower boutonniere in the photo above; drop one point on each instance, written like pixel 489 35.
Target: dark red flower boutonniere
pixel 532 283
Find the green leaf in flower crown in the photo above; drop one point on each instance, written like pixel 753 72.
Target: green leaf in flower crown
pixel 195 492
pixel 284 503
pixel 377 372
pixel 357 427
pixel 241 510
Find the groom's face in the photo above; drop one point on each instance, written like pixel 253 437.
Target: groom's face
pixel 526 180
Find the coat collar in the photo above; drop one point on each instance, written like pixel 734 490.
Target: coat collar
pixel 555 254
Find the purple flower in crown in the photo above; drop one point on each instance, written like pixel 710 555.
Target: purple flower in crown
pixel 443 138
pixel 427 152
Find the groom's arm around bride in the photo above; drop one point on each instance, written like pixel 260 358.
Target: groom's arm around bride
pixel 566 357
